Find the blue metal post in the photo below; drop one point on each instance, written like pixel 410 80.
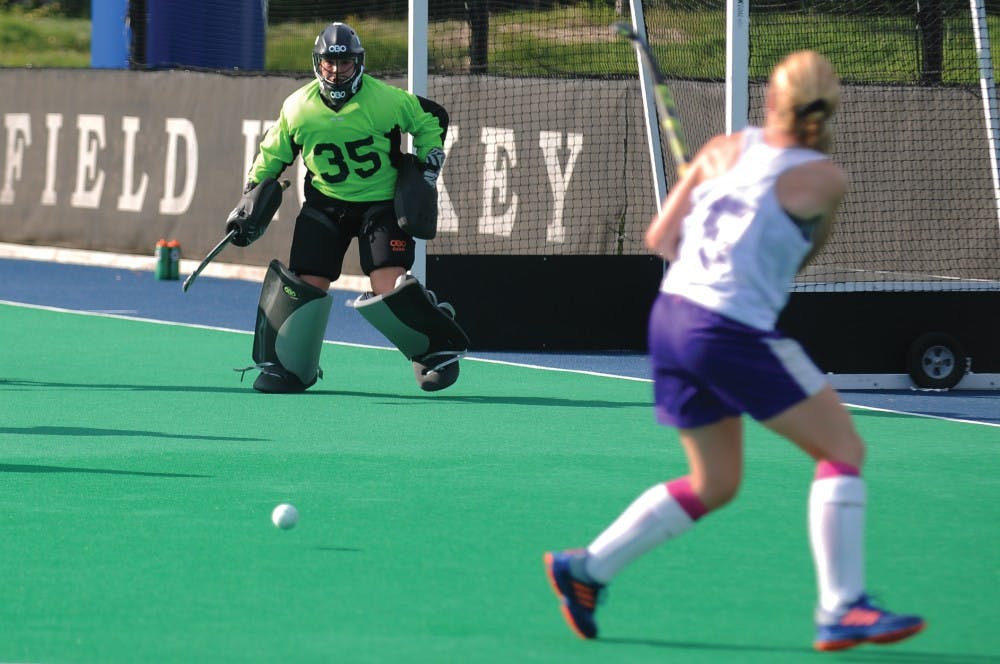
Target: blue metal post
pixel 110 37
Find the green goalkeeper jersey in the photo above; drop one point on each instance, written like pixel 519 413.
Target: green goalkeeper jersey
pixel 346 151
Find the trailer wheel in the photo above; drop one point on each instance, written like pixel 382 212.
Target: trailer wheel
pixel 936 361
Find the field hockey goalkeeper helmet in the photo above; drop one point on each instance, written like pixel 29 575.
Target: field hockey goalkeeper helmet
pixel 338 62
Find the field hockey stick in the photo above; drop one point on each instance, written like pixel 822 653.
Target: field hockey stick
pixel 669 118
pixel 218 249
pixel 208 259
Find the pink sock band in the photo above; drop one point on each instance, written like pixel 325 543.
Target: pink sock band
pixel 834 468
pixel 681 491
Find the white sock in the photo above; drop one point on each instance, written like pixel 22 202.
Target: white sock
pixel 653 518
pixel 836 534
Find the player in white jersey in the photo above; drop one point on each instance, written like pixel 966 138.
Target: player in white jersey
pixel 753 209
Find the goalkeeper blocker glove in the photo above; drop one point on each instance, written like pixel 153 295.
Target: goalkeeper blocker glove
pixel 255 210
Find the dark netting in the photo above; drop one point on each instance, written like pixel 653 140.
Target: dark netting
pixel 921 213
pixel 548 151
pixel 548 154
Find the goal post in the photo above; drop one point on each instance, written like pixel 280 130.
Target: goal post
pixel 737 64
pixel 647 86
pixel 416 82
pixel 987 87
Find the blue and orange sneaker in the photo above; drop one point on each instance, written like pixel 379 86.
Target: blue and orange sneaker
pixel 579 598
pixel 861 622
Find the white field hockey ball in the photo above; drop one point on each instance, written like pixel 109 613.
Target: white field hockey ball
pixel 285 516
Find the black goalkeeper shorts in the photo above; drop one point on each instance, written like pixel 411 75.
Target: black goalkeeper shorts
pixel 324 230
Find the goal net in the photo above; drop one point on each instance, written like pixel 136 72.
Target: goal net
pixel 547 147
pixel 921 213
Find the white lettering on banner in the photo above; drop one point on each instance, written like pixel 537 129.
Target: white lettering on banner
pixel 18 127
pixel 179 128
pixel 499 200
pixel 53 124
pixel 92 141
pixel 560 150
pixel 131 199
pixel 551 143
pixel 447 219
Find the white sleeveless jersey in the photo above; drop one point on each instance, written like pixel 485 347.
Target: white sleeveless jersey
pixel 739 249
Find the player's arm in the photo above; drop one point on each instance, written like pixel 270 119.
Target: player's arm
pixel 277 151
pixel 811 195
pixel 663 236
pixel 262 192
pixel 429 106
pixel 428 124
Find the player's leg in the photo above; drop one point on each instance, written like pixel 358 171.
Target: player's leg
pixel 669 509
pixel 295 306
pixel 384 279
pixel 661 513
pixel 845 617
pixel 400 307
pixel 322 283
pixel 666 510
pixel 711 433
pixel 771 377
pixel 821 426
pixel 385 250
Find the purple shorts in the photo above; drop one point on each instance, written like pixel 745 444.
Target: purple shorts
pixel 707 367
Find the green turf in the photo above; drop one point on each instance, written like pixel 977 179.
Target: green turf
pixel 138 476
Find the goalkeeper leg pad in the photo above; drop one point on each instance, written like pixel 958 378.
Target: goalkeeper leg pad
pixel 291 322
pixel 422 329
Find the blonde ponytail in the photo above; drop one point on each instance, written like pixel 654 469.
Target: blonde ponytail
pixel 805 93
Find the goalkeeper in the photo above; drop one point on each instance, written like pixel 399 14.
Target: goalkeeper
pixel 347 127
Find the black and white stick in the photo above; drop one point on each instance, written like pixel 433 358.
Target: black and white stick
pixel 669 118
pixel 218 249
pixel 208 259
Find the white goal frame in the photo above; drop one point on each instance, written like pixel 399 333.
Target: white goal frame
pixel 416 82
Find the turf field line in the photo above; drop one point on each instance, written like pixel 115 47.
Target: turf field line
pixel 559 369
pixel 468 357
pixel 147 263
pixel 121 316
pixel 647 380
pixel 930 417
pixel 157 321
pixel 215 328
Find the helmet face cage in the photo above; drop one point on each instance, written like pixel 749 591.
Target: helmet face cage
pixel 338 41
